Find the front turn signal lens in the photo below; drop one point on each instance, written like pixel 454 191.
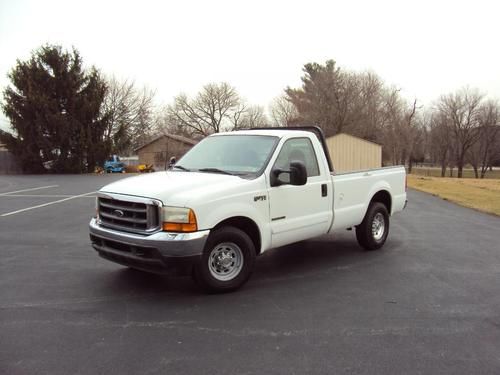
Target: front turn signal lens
pixel 179 219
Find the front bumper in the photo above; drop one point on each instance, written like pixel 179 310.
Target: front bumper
pixel 160 252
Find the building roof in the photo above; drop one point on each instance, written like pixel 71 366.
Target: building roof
pixel 171 136
pixel 353 136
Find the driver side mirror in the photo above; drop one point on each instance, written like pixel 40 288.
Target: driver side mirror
pixel 297 172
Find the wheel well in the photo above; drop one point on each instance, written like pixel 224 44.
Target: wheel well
pixel 246 225
pixel 383 197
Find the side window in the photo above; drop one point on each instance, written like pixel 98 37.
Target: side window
pixel 298 149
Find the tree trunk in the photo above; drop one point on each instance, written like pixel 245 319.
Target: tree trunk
pixel 443 164
pixel 451 171
pixel 476 173
pixel 460 166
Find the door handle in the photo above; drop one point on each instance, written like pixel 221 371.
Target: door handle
pixel 324 190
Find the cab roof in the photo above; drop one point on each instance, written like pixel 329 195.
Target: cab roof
pixel 280 133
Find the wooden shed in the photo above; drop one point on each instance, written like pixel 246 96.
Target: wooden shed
pixel 159 150
pixel 350 153
pixel 8 162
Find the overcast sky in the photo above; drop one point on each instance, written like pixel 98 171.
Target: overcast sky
pixel 426 48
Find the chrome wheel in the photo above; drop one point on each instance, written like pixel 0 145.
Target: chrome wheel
pixel 225 261
pixel 378 226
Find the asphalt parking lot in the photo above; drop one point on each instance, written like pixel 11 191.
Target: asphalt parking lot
pixel 428 303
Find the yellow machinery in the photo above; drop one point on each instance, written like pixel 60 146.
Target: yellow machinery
pixel 145 168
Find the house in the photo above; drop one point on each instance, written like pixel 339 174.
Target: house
pixel 350 153
pixel 159 150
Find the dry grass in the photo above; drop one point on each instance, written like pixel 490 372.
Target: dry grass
pixel 482 195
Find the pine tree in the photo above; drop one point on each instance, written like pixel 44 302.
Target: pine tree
pixel 55 110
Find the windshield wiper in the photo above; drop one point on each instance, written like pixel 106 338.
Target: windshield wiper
pixel 215 170
pixel 182 168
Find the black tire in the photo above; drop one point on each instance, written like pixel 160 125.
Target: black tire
pixel 227 248
pixel 370 234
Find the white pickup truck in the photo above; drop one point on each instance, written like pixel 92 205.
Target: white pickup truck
pixel 236 195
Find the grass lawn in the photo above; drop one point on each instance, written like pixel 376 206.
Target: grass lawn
pixel 482 195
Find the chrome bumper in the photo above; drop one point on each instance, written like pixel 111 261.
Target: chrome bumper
pixel 168 244
pixel 156 252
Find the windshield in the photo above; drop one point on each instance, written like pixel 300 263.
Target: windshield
pixel 232 154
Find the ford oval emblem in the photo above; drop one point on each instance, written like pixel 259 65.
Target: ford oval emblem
pixel 118 213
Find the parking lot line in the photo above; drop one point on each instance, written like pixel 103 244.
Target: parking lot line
pixel 31 189
pixel 46 204
pixel 44 196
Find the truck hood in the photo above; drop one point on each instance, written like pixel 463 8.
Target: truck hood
pixel 174 188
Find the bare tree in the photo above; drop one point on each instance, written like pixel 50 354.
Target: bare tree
pixel 283 112
pixel 440 140
pixel 131 115
pixel 368 107
pixel 215 108
pixel 415 134
pixel 462 110
pixel 482 153
pixel 252 117
pixel 394 137
pixel 359 104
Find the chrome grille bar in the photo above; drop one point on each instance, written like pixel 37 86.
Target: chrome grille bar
pixel 131 214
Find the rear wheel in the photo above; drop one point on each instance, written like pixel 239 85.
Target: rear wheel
pixel 227 261
pixel 373 230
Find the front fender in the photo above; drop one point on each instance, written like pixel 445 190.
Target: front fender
pixel 210 217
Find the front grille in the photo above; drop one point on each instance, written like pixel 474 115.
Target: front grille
pixel 129 216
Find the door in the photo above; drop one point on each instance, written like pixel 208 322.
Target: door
pixel 299 212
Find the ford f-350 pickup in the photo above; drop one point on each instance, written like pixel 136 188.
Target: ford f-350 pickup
pixel 236 195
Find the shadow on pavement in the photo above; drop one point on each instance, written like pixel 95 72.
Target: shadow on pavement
pixel 276 267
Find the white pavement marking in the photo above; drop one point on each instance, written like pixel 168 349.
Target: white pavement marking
pixel 46 204
pixel 37 188
pixel 44 196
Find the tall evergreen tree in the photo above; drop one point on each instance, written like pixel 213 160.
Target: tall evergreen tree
pixel 55 110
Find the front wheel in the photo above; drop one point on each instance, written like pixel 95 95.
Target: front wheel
pixel 373 230
pixel 227 261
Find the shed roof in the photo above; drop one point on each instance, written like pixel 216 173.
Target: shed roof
pixel 357 138
pixel 171 136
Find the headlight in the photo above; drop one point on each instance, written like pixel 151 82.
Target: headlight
pixel 178 219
